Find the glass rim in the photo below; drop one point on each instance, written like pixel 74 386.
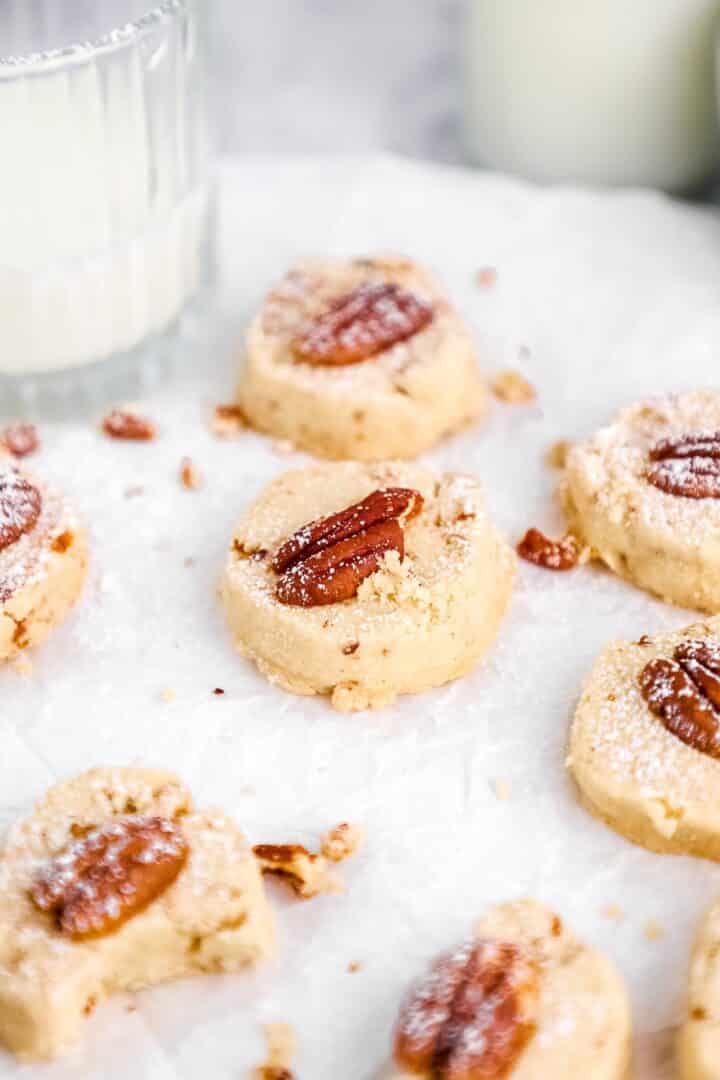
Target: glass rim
pixel 116 38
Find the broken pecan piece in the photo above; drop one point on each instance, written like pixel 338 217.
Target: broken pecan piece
pixel 687 465
pixel 20 506
pixel 110 874
pixel 373 317
pixel 326 561
pixel 537 548
pixel 685 693
pixel 20 439
pixel 129 425
pixel 472 1015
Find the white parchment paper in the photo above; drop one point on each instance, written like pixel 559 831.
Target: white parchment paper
pixel 600 298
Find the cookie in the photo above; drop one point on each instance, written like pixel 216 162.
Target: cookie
pixel 116 882
pixel 645 740
pixel 366 581
pixel 523 1000
pixel 644 494
pixel 43 559
pixel 699 1036
pixel 360 358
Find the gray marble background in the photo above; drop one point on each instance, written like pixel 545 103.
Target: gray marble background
pixel 337 75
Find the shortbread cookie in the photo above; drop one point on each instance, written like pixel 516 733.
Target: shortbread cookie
pixel 645 740
pixel 644 493
pixel 43 559
pixel 699 1038
pixel 361 359
pixel 365 581
pixel 115 883
pixel 522 1001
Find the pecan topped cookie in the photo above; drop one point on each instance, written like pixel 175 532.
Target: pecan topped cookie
pixel 644 495
pixel 645 740
pixel 43 558
pixel 523 1000
pixel 359 358
pixel 366 581
pixel 115 882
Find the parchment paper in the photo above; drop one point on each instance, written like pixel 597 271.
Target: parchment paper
pixel 600 298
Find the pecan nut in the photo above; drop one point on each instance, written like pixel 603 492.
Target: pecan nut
pixel 110 874
pixel 537 548
pixel 20 439
pixel 125 424
pixel 685 693
pixel 326 561
pixel 687 465
pixel 472 1016
pixel 20 506
pixel 373 317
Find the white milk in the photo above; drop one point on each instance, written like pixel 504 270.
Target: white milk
pixel 103 203
pixel 600 91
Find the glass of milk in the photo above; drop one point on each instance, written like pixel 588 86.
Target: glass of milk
pixel 596 91
pixel 105 193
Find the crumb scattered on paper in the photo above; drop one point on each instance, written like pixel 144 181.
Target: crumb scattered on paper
pixel 502 789
pixel 653 930
pixel 306 873
pixel 190 477
pixel 341 842
pixel 281 1046
pixel 228 421
pixel 354 966
pixel 486 277
pixel 512 387
pixel 612 911
pixel 168 695
pixel 557 453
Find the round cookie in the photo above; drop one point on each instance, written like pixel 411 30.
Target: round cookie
pixel 644 494
pixel 635 736
pixel 212 915
pixel 569 1004
pixel 43 560
pixel 313 382
pixel 413 623
pixel 699 1036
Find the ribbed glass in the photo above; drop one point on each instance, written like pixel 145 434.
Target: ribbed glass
pixel 104 184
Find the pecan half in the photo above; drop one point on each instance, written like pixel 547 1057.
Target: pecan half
pixel 110 874
pixel 471 1017
pixel 20 506
pixel 326 561
pixel 685 693
pixel 20 439
pixel 537 548
pixel 373 317
pixel 687 465
pixel 129 425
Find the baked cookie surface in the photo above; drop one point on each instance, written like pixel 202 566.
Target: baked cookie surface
pixel 523 1001
pixel 699 1037
pixel 80 919
pixel 409 624
pixel 644 494
pixel 643 743
pixel 362 359
pixel 43 559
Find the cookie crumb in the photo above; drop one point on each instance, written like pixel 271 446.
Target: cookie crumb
pixel 190 477
pixel 218 691
pixel 20 439
pixel 281 1048
pixel 502 789
pixel 341 842
pixel 556 456
pixel 512 387
pixel 354 966
pixel 188 561
pixel 127 424
pixel 228 421
pixel 306 873
pixel 486 277
pixel 612 911
pixel 168 695
pixel 653 930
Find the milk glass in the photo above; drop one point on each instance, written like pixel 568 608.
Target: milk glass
pixel 598 91
pixel 105 192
